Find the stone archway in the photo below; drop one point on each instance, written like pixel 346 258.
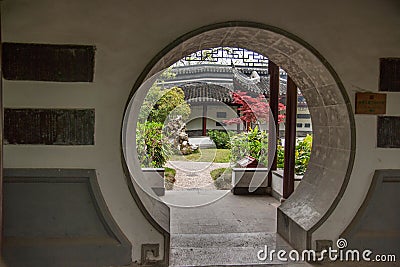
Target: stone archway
pixel 333 152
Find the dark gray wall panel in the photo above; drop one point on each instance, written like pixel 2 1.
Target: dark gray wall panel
pixel 58 217
pixel 388 132
pixel 48 62
pixel 49 126
pixel 389 79
pixel 376 225
pixel 70 212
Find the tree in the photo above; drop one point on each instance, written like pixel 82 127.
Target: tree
pixel 252 109
pixel 161 103
pixel 152 145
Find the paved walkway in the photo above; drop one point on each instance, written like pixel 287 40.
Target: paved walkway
pixel 228 231
pixel 230 214
pixel 194 175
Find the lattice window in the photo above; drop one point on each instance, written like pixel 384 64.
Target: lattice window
pixel 225 56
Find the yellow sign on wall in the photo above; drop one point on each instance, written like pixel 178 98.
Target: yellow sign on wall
pixel 370 103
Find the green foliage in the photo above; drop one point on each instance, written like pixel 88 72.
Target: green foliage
pixel 222 178
pixel 303 153
pixel 154 94
pixel 220 138
pixel 217 173
pixel 167 74
pixel 205 155
pixel 222 156
pixel 169 177
pixel 280 156
pixel 252 143
pixel 161 103
pixel 152 148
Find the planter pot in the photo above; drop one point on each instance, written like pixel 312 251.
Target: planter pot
pixel 155 179
pixel 242 181
pixel 277 183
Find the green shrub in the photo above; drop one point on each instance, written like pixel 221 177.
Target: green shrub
pixel 220 138
pixel 222 178
pixel 303 153
pixel 217 173
pixel 252 143
pixel 280 156
pixel 152 147
pixel 169 178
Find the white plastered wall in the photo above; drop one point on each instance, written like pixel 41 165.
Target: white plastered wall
pixel 351 35
pixel 195 121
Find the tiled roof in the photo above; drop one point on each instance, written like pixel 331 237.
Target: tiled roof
pixel 206 92
pixel 261 87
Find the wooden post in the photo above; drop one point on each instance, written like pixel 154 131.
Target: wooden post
pixel 273 71
pixel 204 127
pixel 290 138
pixel 1 144
pixel 238 125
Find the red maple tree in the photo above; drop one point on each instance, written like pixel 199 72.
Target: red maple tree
pixel 253 109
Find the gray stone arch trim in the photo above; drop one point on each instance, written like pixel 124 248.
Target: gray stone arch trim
pixel 333 153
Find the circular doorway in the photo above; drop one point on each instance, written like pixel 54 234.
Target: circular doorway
pixel 333 151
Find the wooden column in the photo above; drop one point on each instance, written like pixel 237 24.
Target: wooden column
pixel 290 138
pixel 238 114
pixel 204 127
pixel 273 71
pixel 1 144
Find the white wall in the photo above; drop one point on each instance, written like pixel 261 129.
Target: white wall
pixel 351 35
pixel 195 121
pixel 304 121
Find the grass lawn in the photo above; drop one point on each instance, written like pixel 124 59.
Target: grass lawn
pixel 215 174
pixel 222 178
pixel 205 155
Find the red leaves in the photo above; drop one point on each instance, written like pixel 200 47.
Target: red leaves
pixel 252 109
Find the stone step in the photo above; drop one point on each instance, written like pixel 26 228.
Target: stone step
pixel 227 249
pixel 224 240
pixel 202 142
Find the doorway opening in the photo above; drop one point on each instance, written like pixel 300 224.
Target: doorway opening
pixel 201 119
pixel 332 156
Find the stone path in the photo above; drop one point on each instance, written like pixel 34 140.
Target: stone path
pixel 233 249
pixel 194 175
pixel 227 232
pixel 228 214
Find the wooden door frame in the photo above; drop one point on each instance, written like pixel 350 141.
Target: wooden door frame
pixel 1 142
